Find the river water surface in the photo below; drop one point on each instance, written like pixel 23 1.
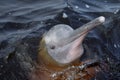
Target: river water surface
pixel 22 23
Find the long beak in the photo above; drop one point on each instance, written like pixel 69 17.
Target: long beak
pixel 83 30
pixel 74 41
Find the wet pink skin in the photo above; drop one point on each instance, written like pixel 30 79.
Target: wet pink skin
pixel 71 48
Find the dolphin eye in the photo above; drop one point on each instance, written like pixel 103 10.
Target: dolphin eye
pixel 52 47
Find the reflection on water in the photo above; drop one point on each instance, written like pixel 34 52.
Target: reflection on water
pixel 22 23
pixel 22 11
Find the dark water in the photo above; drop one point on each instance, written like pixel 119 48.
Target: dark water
pixel 22 23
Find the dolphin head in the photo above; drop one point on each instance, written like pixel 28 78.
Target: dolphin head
pixel 64 44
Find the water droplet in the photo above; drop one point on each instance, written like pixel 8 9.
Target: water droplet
pixel 116 11
pixel 76 7
pixel 87 6
pixel 68 6
pixel 115 45
pixel 65 15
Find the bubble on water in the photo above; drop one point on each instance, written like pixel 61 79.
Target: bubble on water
pixel 65 15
